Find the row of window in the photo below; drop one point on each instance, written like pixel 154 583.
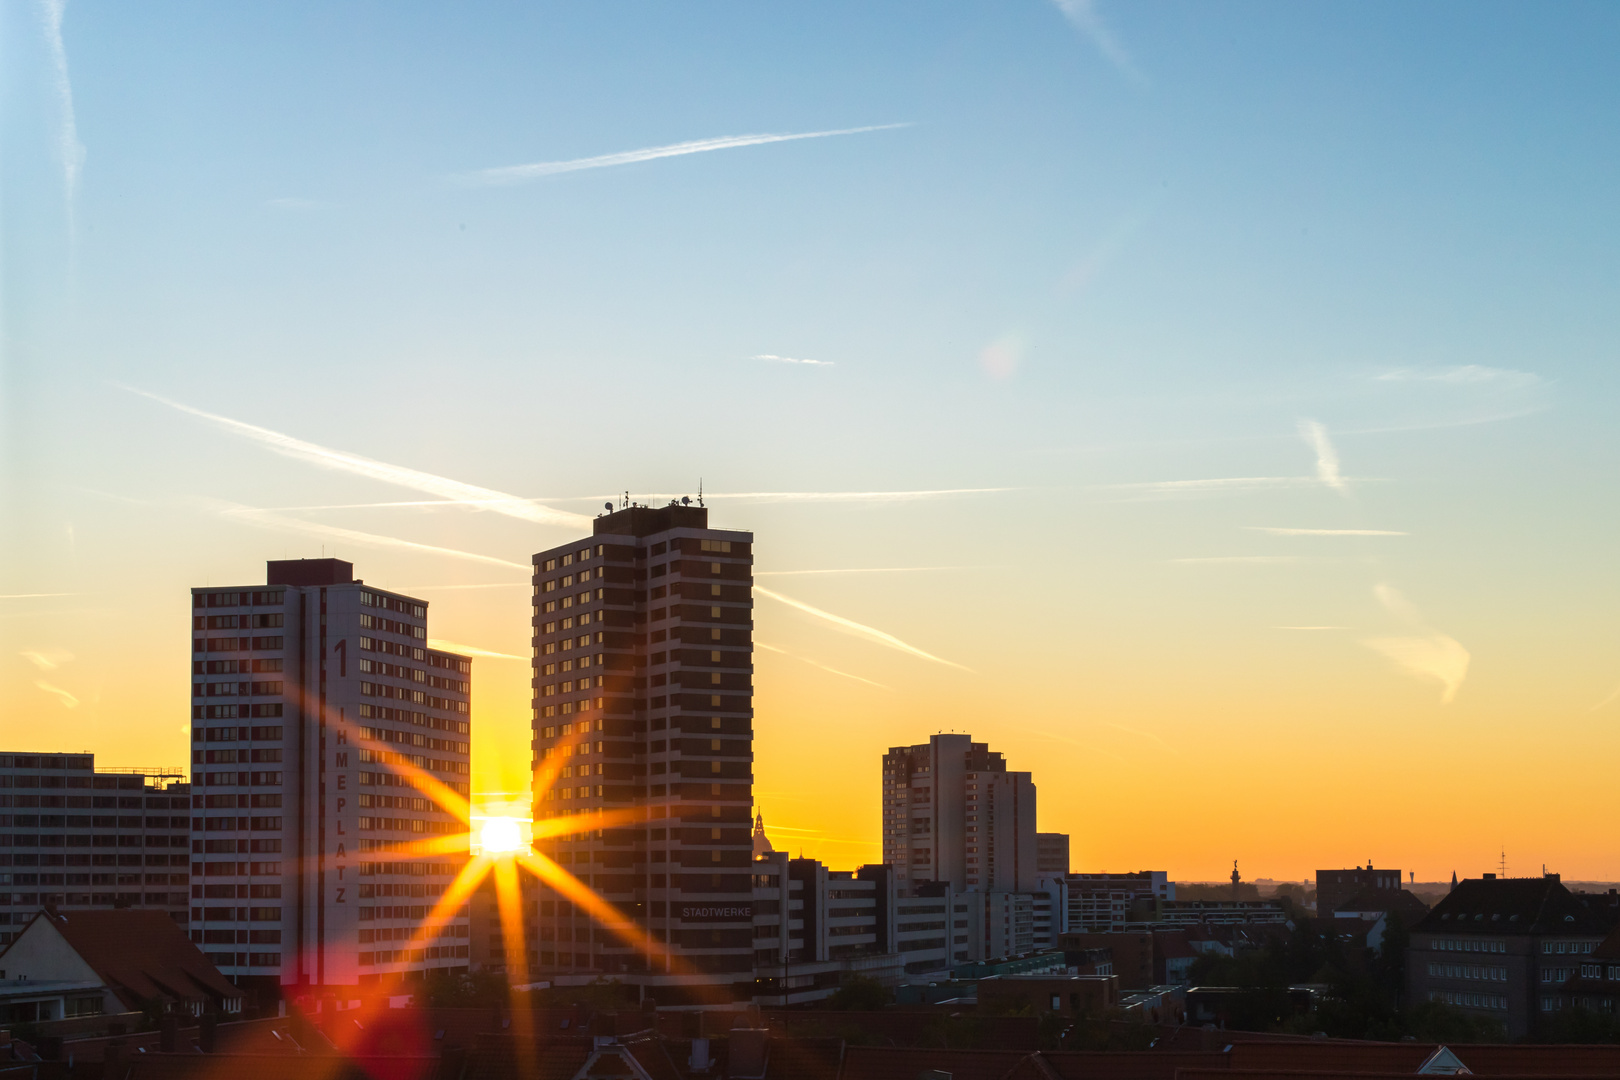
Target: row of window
pixel 88 821
pixel 569 665
pixel 406 933
pixel 584 554
pixel 401 956
pixel 239 779
pixel 388 757
pixel 262 711
pixel 265 733
pixel 415 697
pixel 570 793
pixel 389 603
pixel 568 624
pixel 415 825
pixel 390 626
pixel 569 601
pixel 57 840
pixel 411 738
pixel 1468 971
pixel 231 644
pixel 568 707
pixel 237 689
pixel 246 598
pixel 569 686
pixel 416 719
pixel 238 622
pixel 237 667
pixel 269 755
pixel 567 581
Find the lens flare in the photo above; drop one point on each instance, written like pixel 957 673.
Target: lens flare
pixel 502 836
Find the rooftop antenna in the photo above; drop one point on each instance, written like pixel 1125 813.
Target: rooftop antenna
pixel 1502 866
pixel 700 491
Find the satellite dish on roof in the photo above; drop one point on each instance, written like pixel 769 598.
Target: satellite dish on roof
pixel 608 507
pixel 686 500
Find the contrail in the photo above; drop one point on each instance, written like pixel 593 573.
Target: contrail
pixel 1323 532
pixel 860 630
pixel 68 144
pixel 326 458
pixel 823 667
pixel 285 524
pixel 470 650
pixel 1327 458
pixel 518 174
pixel 838 496
pixel 1083 14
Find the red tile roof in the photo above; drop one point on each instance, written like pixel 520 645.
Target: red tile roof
pixel 142 956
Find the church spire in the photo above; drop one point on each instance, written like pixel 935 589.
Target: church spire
pixel 762 843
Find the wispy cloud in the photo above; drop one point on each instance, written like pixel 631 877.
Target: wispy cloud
pixel 1258 559
pixel 67 699
pixel 266 519
pixel 865 570
pixel 1429 654
pixel 1327 458
pixel 845 496
pixel 470 650
pixel 1461 375
pixel 1607 700
pixel 69 148
pixel 860 630
pixel 1313 628
pixel 1083 14
pixel 325 457
pixel 520 174
pixel 46 661
pixel 32 595
pixel 819 664
pixel 486 585
pixel 1272 531
pixel 1220 485
pixel 774 359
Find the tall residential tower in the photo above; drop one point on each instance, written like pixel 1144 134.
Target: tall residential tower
pixel 297 873
pixel 643 709
pixel 953 813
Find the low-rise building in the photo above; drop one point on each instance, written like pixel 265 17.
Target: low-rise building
pixel 1067 995
pixel 116 961
pixel 1334 887
pixel 1100 903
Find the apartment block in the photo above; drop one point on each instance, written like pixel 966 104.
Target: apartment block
pixel 1502 949
pixel 321 723
pixel 1334 887
pixel 1050 903
pixel 952 812
pixel 76 837
pixel 1052 854
pixel 814 927
pixel 643 710
pixel 1102 903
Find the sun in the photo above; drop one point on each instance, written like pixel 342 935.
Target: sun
pixel 502 836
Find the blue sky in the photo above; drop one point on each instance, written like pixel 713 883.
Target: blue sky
pixel 1111 245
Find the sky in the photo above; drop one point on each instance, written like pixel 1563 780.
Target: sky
pixel 1208 405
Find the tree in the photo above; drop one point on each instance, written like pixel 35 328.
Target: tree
pixel 860 993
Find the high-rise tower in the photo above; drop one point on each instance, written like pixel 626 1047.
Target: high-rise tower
pixel 299 816
pixel 643 710
pixel 953 813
